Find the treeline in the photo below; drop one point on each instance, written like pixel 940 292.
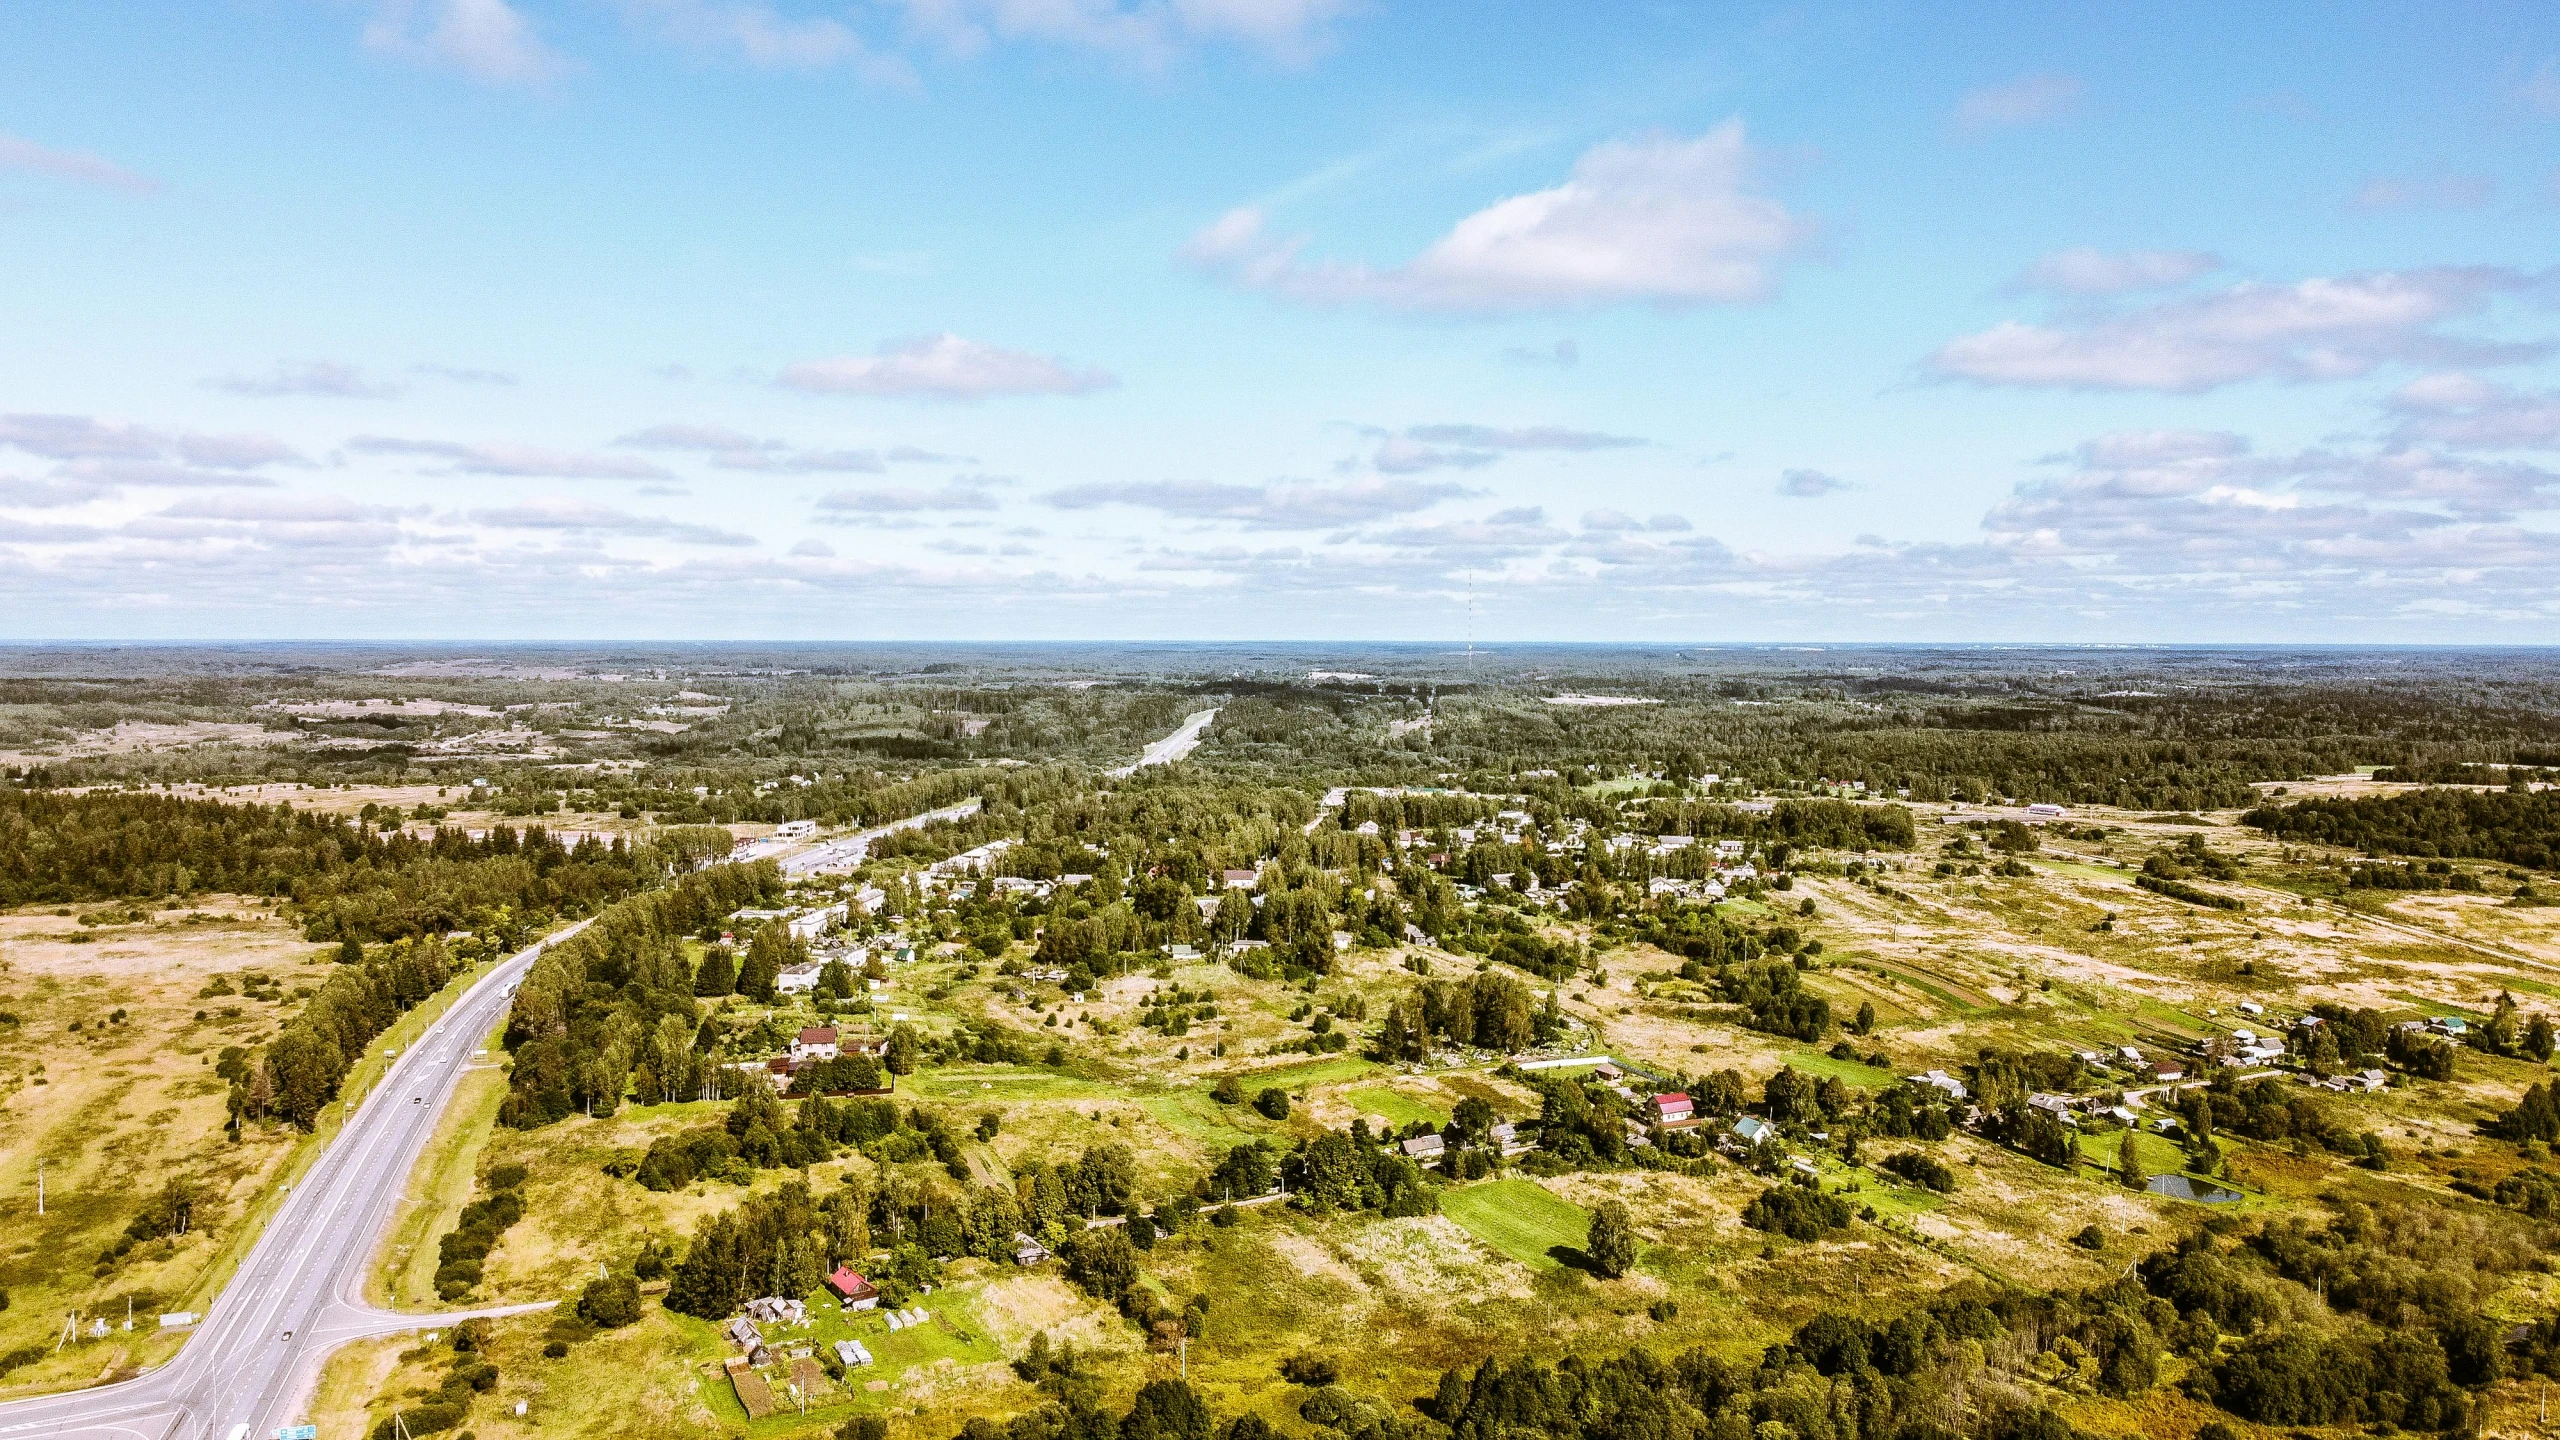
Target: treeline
pixel 2510 828
pixel 344 880
pixel 307 1061
pixel 1824 824
pixel 613 1005
pixel 2372 1320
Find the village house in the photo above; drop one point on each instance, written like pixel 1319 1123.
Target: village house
pixel 856 1292
pixel 1673 1110
pixel 799 979
pixel 814 923
pixel 1424 1148
pixel 1942 1082
pixel 817 1042
pixel 1027 1251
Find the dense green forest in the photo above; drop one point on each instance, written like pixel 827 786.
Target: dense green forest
pixel 343 880
pixel 2513 827
pixel 613 1005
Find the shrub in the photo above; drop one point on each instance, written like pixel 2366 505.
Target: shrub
pixel 1272 1103
pixel 1309 1370
pixel 611 1302
pixel 1920 1169
pixel 1799 1212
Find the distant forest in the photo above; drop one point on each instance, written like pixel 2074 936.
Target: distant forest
pixel 844 734
pixel 2515 829
pixel 342 880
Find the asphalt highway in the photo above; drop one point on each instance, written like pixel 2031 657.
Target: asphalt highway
pixel 252 1362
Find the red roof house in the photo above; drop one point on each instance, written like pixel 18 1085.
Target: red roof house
pixel 857 1293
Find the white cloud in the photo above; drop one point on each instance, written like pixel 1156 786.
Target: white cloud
pixel 1404 455
pixel 1281 505
pixel 487 40
pixel 944 367
pixel 2541 93
pixel 1564 354
pixel 964 494
pixel 107 474
pixel 1515 531
pixel 2023 101
pixel 2458 409
pixel 762 37
pixel 1664 220
pixel 80 167
pixel 310 377
pixel 302 506
pixel 704 439
pixel 2317 329
pixel 524 461
pixel 599 521
pixel 1465 447
pixel 19 493
pixel 2087 271
pixel 73 437
pixel 466 375
pixel 813 550
pixel 1529 437
pixel 1619 520
pixel 1147 32
pixel 83 440
pixel 1809 484
pixel 2426 192
pixel 736 450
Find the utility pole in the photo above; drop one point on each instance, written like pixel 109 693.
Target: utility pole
pixel 39 1189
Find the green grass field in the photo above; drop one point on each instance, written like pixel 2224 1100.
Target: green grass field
pixel 1312 1072
pixel 1394 1107
pixel 1192 1114
pixel 1003 1084
pixel 1521 1218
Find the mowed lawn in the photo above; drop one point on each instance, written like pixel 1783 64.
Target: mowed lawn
pixel 1395 1107
pixel 1521 1218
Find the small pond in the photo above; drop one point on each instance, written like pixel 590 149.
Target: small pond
pixel 2179 1187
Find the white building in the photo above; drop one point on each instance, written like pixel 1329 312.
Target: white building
pixel 811 924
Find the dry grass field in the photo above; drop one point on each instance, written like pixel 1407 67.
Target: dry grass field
pixel 107 1084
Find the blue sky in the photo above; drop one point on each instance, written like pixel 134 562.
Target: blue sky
pixel 1278 319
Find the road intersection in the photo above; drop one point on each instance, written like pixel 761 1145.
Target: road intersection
pixel 254 1359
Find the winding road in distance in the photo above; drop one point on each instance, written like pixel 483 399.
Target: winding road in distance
pixel 254 1359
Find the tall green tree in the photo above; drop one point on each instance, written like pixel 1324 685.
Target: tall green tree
pixel 1612 1244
